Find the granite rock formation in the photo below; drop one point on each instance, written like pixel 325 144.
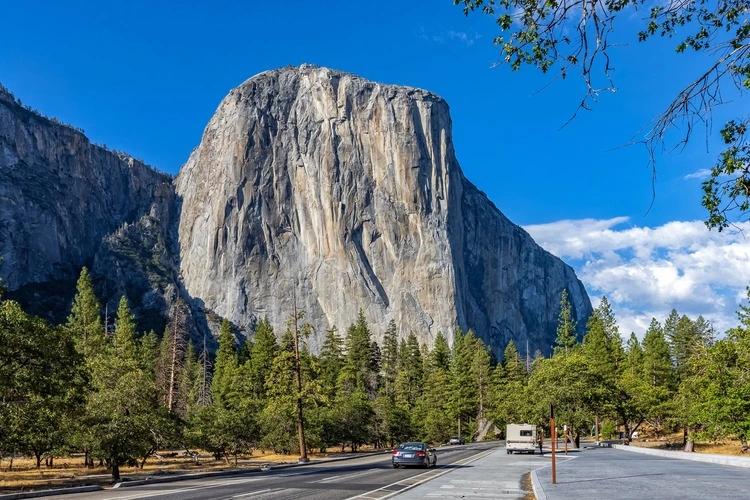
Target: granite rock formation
pixel 60 196
pixel 319 190
pixel 311 189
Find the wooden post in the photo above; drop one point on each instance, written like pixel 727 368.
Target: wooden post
pixel 554 437
pixel 596 428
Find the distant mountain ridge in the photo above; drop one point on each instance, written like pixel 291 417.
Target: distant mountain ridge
pixel 309 184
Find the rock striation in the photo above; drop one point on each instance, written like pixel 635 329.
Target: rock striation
pixel 312 189
pixel 321 191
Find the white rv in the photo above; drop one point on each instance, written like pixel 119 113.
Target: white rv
pixel 520 438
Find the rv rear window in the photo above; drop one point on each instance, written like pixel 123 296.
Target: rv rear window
pixel 526 433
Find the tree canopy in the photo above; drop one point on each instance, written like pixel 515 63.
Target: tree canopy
pixel 579 35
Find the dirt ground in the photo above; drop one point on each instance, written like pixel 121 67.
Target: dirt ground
pixel 69 471
pixel 674 442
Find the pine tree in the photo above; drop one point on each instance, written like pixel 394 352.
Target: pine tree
pixel 685 338
pixel 225 365
pixel 84 322
pixel 204 379
pixel 264 351
pixel 512 363
pixel 463 399
pixel 123 413
pixel 611 333
pixel 125 332
pixel 634 355
pixel 411 371
pixel 658 370
pixel 481 370
pixel 331 361
pixel 390 359
pixel 440 357
pixel 566 326
pixel 279 416
pixel 359 356
pixel 598 349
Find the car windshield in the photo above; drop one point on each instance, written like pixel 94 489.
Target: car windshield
pixel 411 447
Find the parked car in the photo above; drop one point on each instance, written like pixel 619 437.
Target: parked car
pixel 456 440
pixel 419 454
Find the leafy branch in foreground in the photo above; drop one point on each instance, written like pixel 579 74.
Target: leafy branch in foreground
pixel 576 34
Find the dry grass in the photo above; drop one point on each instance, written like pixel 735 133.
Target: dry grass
pixel 69 471
pixel 674 442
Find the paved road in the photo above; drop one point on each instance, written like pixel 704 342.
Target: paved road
pixel 607 473
pixel 367 478
pixel 495 476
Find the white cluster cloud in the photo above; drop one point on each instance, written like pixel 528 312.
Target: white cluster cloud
pixel 646 272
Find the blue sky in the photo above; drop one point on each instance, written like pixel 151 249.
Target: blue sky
pixel 145 77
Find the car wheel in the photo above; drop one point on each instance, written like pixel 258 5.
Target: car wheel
pixel 395 466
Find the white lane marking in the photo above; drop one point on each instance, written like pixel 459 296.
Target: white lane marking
pixel 346 476
pixel 192 488
pixel 409 486
pixel 254 493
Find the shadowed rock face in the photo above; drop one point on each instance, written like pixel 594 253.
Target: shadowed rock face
pixel 60 195
pixel 319 189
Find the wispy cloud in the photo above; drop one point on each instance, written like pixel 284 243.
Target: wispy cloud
pixel 645 272
pixel 459 37
pixel 701 174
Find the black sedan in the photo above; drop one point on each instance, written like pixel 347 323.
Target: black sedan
pixel 419 454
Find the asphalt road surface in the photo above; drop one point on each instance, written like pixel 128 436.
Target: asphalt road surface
pixel 370 477
pixel 601 473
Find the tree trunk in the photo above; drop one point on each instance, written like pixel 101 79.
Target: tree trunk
pixel 86 458
pixel 38 459
pixel 743 444
pixel 577 440
pixel 115 469
pixel 690 446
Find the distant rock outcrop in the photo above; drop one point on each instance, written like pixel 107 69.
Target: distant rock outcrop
pixel 60 196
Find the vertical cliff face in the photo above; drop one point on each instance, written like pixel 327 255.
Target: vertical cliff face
pixel 312 190
pixel 321 189
pixel 510 288
pixel 60 195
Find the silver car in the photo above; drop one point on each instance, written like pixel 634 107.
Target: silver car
pixel 419 454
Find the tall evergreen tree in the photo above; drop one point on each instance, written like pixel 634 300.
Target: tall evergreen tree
pixel 85 322
pixel 512 363
pixel 331 362
pixel 357 369
pixel 566 326
pixel 125 333
pixel 440 357
pixel 225 365
pixel 264 351
pixel 123 413
pixel 390 359
pixel 463 400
